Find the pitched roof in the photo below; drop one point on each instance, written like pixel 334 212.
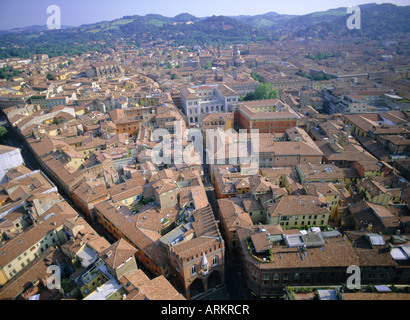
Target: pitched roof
pixel 118 253
pixel 297 205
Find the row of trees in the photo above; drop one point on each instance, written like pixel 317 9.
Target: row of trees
pixel 316 77
pixel 320 56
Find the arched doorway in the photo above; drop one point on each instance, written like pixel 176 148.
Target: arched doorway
pixel 197 287
pixel 214 280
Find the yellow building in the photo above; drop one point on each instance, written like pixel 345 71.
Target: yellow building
pixel 297 211
pixel 375 193
pixel 242 185
pixel 20 251
pixel 329 192
pixel 224 121
pixel 93 279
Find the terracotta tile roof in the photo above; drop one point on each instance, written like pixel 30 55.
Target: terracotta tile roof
pixel 336 252
pixel 297 205
pixel 260 242
pixel 232 213
pixel 89 191
pixel 118 253
pixel 36 270
pixel 16 246
pixel 164 185
pixel 349 152
pixel 141 287
pixel 135 229
pixel 368 254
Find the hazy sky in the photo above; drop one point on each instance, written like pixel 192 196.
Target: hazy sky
pixel 21 13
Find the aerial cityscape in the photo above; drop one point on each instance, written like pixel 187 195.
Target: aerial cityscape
pixel 231 156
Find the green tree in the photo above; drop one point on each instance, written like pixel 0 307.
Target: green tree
pixel 256 77
pixel 50 76
pixel 208 65
pixel 266 91
pixel 3 134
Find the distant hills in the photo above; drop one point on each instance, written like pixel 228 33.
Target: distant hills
pixel 267 20
pixel 378 20
pixel 36 28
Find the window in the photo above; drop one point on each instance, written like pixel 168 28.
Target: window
pixel 307 278
pixel 193 270
pixel 215 261
pixel 255 274
pixel 265 278
pixel 296 278
pixel 275 278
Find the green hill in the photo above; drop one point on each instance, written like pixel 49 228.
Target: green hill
pixel 377 21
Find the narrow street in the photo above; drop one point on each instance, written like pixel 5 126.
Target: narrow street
pixel 235 286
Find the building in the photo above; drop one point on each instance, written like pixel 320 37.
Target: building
pixel 266 115
pixel 199 101
pixel 103 70
pixel 374 192
pixel 273 260
pixel 87 194
pixel 225 121
pixel 296 211
pixel 340 177
pixel 140 287
pixel 9 158
pixel 19 252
